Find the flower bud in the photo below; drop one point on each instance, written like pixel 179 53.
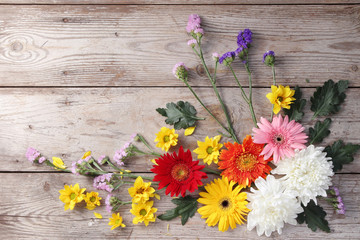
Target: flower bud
pixel 180 71
pixel 269 58
pixel 227 58
pixel 215 56
pixel 191 43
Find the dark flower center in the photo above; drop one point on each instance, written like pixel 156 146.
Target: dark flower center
pixel 180 172
pixel 225 203
pixel 280 99
pixel 143 212
pixel 246 162
pixel 278 139
pixel 166 139
pixel 140 190
pixel 92 199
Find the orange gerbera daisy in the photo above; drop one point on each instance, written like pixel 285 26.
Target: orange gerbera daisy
pixel 242 163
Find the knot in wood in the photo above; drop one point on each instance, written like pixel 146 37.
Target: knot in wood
pixel 354 68
pixel 200 70
pixel 17 46
pixel 65 20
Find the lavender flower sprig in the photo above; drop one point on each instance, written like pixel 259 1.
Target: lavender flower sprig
pixel 335 200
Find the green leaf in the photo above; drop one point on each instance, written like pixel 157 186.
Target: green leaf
pixel 320 131
pixel 328 98
pixel 186 208
pixel 181 115
pixel 296 108
pixel 314 216
pixel 341 153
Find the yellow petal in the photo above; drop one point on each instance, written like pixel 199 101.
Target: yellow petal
pixel 153 161
pixel 189 131
pixel 157 196
pixel 98 215
pixel 86 155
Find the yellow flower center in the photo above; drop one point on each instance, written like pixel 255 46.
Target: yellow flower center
pixel 72 196
pixel 209 150
pixel 140 190
pixel 92 199
pixel 143 212
pixel 117 222
pixel 166 138
pixel 225 204
pixel 246 162
pixel 280 99
pixel 180 172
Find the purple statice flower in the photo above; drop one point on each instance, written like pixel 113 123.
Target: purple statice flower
pixel 336 191
pixel 191 43
pixel 269 58
pixel 227 57
pixel 199 31
pixel 180 71
pixel 337 201
pixel 102 159
pixel 42 159
pixel 32 154
pixel 119 156
pixel 244 38
pixel 108 203
pixel 193 23
pixel 133 137
pixel 102 182
pixel 340 205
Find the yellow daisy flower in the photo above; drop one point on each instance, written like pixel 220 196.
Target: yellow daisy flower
pixel 281 97
pixel 58 162
pixel 166 138
pixel 223 205
pixel 92 200
pixel 143 212
pixel 209 150
pixel 71 195
pixel 116 221
pixel 141 192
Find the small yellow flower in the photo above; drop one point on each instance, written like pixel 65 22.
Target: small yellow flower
pixel 143 212
pixel 209 150
pixel 71 195
pixel 141 192
pixel 98 215
pixel 166 138
pixel 116 221
pixel 189 131
pixel 92 200
pixel 281 97
pixel 86 155
pixel 58 162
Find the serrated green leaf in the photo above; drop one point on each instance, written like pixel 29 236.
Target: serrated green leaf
pixel 186 208
pixel 180 115
pixel 328 98
pixel 341 153
pixel 314 216
pixel 320 131
pixel 296 108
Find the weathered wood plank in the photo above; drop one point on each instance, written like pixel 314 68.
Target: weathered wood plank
pixel 137 45
pixel 35 209
pixel 67 122
pixel 183 2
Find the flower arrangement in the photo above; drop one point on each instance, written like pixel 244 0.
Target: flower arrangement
pixel 275 175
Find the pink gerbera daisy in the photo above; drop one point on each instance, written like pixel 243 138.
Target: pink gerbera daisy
pixel 281 137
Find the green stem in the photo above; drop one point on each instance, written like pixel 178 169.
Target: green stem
pixel 202 104
pixel 212 81
pixel 274 83
pixel 97 166
pixel 113 166
pixel 142 139
pixel 212 171
pixel 250 93
pixel 125 174
pixel 241 88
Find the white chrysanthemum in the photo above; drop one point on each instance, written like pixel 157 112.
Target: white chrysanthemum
pixel 271 206
pixel 308 173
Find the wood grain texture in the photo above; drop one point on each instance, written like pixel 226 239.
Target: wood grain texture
pixel 35 209
pixel 137 45
pixel 182 2
pixel 67 122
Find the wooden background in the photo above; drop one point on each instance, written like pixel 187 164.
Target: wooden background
pixel 78 76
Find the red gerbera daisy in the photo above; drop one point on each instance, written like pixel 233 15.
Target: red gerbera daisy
pixel 242 163
pixel 178 172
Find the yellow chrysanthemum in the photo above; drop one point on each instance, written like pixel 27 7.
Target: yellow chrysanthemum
pixel 92 200
pixel 166 138
pixel 116 221
pixel 143 212
pixel 223 205
pixel 142 191
pixel 88 153
pixel 58 162
pixel 281 97
pixel 209 150
pixel 71 195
